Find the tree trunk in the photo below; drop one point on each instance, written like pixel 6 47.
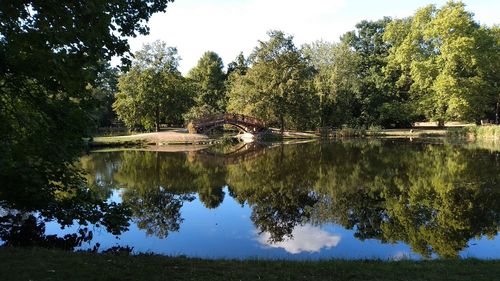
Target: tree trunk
pixel 497 113
pixel 157 118
pixel 282 124
pixel 440 123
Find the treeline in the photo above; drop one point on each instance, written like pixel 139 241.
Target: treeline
pixel 438 65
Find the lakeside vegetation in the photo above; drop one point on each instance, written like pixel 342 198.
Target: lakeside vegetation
pixel 476 132
pixel 40 264
pixel 438 64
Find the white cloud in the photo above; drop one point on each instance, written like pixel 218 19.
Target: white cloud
pixel 306 238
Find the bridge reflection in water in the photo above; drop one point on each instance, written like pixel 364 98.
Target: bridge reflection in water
pixel 233 154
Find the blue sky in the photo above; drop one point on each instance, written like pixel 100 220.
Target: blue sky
pixel 228 27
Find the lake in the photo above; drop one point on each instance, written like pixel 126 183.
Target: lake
pixel 355 199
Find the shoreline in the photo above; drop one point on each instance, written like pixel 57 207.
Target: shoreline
pixel 182 137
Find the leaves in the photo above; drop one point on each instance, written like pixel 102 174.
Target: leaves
pixel 440 54
pixel 277 87
pixel 209 79
pixel 153 90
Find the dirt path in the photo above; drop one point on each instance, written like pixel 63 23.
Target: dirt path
pixel 177 135
pixel 173 136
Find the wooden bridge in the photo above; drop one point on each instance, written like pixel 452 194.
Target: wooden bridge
pixel 244 123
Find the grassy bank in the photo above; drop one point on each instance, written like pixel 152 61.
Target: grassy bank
pixel 476 132
pixel 40 264
pixel 347 132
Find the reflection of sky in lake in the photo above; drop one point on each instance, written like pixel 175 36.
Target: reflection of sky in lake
pixel 305 238
pixel 228 232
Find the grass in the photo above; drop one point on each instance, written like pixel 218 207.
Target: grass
pixel 487 132
pixel 377 131
pixel 476 132
pixel 42 264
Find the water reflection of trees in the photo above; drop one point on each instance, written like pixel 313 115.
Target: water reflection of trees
pixel 24 213
pixel 277 188
pixel 433 197
pixel 156 185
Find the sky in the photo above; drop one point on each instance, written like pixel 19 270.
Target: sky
pixel 229 27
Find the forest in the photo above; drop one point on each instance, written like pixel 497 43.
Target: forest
pixel 437 65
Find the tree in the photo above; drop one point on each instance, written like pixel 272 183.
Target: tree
pixel 50 51
pixel 239 66
pixel 446 59
pixel 277 87
pixel 153 90
pixel 336 81
pixel 209 78
pixel 103 91
pixel 368 43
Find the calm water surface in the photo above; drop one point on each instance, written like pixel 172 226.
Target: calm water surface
pixel 387 199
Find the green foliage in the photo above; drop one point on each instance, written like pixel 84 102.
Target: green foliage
pixel 368 44
pixel 488 132
pixel 347 132
pixel 396 114
pixel 153 90
pixel 239 65
pixel 445 60
pixel 374 130
pixel 197 112
pixel 336 81
pixel 103 91
pixel 461 132
pixel 209 78
pixel 51 55
pixel 476 132
pixel 277 87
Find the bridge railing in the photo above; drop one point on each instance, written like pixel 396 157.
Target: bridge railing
pixel 231 117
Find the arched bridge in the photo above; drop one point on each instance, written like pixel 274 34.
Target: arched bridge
pixel 244 123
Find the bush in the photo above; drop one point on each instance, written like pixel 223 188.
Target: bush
pixel 487 132
pixel 476 132
pixel 396 115
pixel 374 130
pixel 347 132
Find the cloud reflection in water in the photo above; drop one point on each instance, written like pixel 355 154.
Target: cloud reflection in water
pixel 306 238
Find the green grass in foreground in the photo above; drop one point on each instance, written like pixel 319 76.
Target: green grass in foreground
pixel 40 264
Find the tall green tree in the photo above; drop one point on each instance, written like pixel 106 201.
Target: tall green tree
pixel 448 60
pixel 153 90
pixel 336 81
pixel 50 51
pixel 278 85
pixel 368 43
pixel 209 80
